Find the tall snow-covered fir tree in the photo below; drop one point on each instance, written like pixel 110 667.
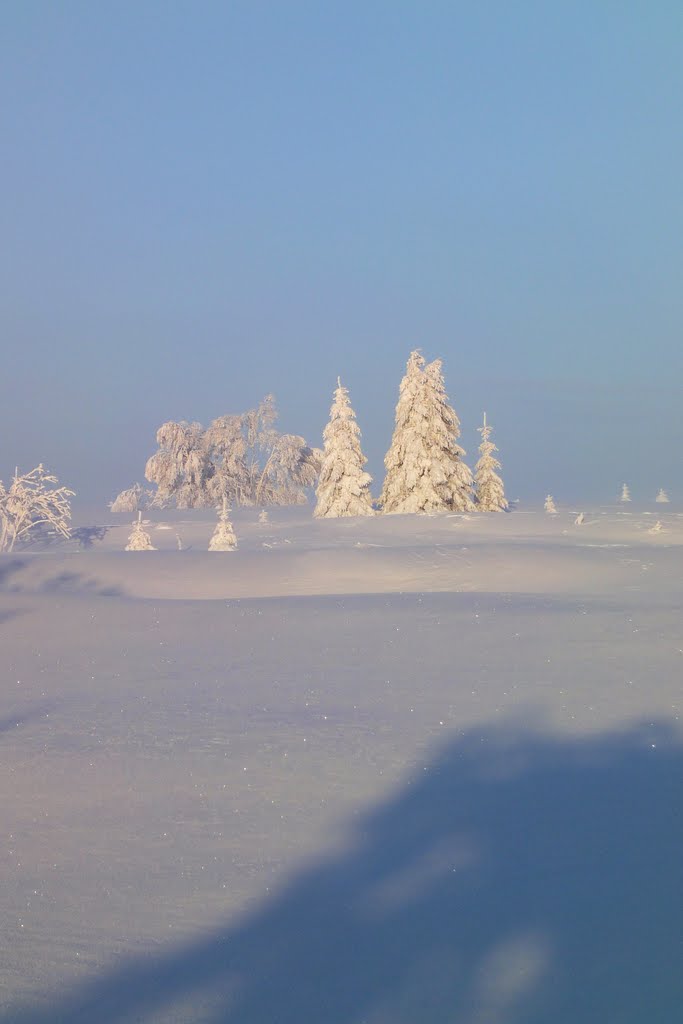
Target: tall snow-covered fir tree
pixel 549 505
pixel 425 471
pixel 625 493
pixel 490 492
pixel 223 537
pixel 344 486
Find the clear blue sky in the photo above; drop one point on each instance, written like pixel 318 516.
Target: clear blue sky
pixel 204 202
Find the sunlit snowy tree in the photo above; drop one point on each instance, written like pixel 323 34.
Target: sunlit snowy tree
pixel 344 486
pixel 181 468
pixel 223 537
pixel 241 456
pixel 32 503
pixel 490 492
pixel 129 500
pixel 662 496
pixel 625 493
pixel 425 470
pixel 549 505
pixel 139 539
pixel 263 517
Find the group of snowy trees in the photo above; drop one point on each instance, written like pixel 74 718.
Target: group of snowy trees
pixel 243 460
pixel 425 468
pixel 240 457
pixel 662 498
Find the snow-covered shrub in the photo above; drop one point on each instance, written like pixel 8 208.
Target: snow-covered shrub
pixel 129 500
pixel 662 496
pixel 223 537
pixel 425 471
pixel 263 517
pixel 30 503
pixel 343 486
pixel 549 505
pixel 139 539
pixel 490 492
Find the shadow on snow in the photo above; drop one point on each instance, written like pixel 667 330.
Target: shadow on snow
pixel 518 879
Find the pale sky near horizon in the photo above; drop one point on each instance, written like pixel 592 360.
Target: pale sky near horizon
pixel 203 203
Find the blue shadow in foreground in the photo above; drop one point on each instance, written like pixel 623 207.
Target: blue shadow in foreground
pixel 520 879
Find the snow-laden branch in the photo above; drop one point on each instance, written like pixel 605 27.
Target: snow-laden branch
pixel 31 501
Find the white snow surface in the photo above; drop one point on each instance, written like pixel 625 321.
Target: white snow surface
pixel 390 769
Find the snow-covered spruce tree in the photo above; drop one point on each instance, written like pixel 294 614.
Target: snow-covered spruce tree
pixel 549 505
pixel 139 539
pixel 625 493
pixel 490 492
pixel 425 471
pixel 662 496
pixel 343 486
pixel 223 537
pixel 30 503
pixel 263 517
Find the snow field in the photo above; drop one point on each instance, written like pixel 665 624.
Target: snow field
pixel 199 752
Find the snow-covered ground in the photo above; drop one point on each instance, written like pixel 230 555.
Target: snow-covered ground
pixel 391 770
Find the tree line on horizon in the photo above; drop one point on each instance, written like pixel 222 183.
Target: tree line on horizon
pixel 243 460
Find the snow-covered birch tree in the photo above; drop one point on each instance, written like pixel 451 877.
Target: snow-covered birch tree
pixel 343 486
pixel 425 468
pixel 240 456
pixel 32 503
pixel 129 500
pixel 181 468
pixel 490 492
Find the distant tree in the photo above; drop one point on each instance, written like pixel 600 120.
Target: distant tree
pixel 139 539
pixel 549 505
pixel 343 485
pixel 223 537
pixel 425 471
pixel 241 457
pixel 263 517
pixel 490 492
pixel 129 500
pixel 580 519
pixel 625 493
pixel 32 503
pixel 181 468
pixel 662 496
